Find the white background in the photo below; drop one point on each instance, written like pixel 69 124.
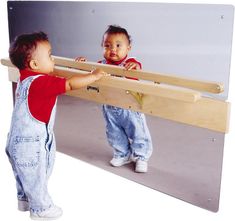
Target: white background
pixel 87 193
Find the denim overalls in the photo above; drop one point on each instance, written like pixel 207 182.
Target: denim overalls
pixel 31 151
pixel 127 132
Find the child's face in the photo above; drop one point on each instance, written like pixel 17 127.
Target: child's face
pixel 115 47
pixel 43 61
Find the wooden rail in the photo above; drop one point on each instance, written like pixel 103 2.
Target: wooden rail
pixel 167 91
pixel 167 101
pixel 206 86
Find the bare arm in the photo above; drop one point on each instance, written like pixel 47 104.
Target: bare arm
pixel 76 82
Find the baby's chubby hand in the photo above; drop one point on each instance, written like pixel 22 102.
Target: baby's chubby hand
pixel 132 66
pixel 99 73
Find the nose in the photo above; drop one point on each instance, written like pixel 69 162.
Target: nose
pixel 113 48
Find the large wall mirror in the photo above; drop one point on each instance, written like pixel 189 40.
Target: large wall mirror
pixel 192 40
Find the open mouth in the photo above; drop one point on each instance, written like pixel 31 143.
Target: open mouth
pixel 112 55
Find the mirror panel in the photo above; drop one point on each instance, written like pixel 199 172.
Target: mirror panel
pixel 191 40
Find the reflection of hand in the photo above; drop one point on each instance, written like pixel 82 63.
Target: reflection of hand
pixel 99 73
pixel 80 59
pixel 132 65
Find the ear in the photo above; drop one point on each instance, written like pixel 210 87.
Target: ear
pixel 33 64
pixel 129 48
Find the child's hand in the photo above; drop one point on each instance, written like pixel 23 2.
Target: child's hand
pixel 80 59
pixel 132 65
pixel 98 73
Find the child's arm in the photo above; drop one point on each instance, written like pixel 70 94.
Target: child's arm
pixel 76 82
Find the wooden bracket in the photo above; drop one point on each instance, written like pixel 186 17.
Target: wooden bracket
pixel 138 97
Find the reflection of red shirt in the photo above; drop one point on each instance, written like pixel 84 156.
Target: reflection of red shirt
pixel 121 63
pixel 43 92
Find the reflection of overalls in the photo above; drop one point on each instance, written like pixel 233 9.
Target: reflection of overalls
pixel 127 132
pixel 31 151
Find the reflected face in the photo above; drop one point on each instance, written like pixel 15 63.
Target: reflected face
pixel 42 57
pixel 115 47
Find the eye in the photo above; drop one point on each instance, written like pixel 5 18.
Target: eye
pixel 106 45
pixel 118 45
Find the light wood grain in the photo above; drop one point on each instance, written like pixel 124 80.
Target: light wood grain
pixel 206 113
pixel 171 79
pixel 144 87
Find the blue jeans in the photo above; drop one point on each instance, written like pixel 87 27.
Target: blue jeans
pixel 31 151
pixel 32 164
pixel 127 132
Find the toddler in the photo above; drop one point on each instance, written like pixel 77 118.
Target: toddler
pixel 31 143
pixel 126 130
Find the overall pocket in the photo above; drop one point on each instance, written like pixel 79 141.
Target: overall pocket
pixel 26 151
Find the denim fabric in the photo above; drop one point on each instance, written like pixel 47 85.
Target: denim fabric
pixel 31 151
pixel 127 132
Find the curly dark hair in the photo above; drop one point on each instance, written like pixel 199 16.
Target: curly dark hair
pixel 22 48
pixel 115 29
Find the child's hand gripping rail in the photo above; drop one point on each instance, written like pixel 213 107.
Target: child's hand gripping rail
pixel 170 102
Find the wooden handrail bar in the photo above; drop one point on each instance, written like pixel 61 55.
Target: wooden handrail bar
pixel 204 86
pixel 169 102
pixel 176 93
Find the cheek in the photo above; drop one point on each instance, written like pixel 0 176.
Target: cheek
pixel 50 65
pixel 106 53
pixel 50 62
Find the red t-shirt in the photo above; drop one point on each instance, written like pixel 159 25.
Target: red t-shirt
pixel 43 92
